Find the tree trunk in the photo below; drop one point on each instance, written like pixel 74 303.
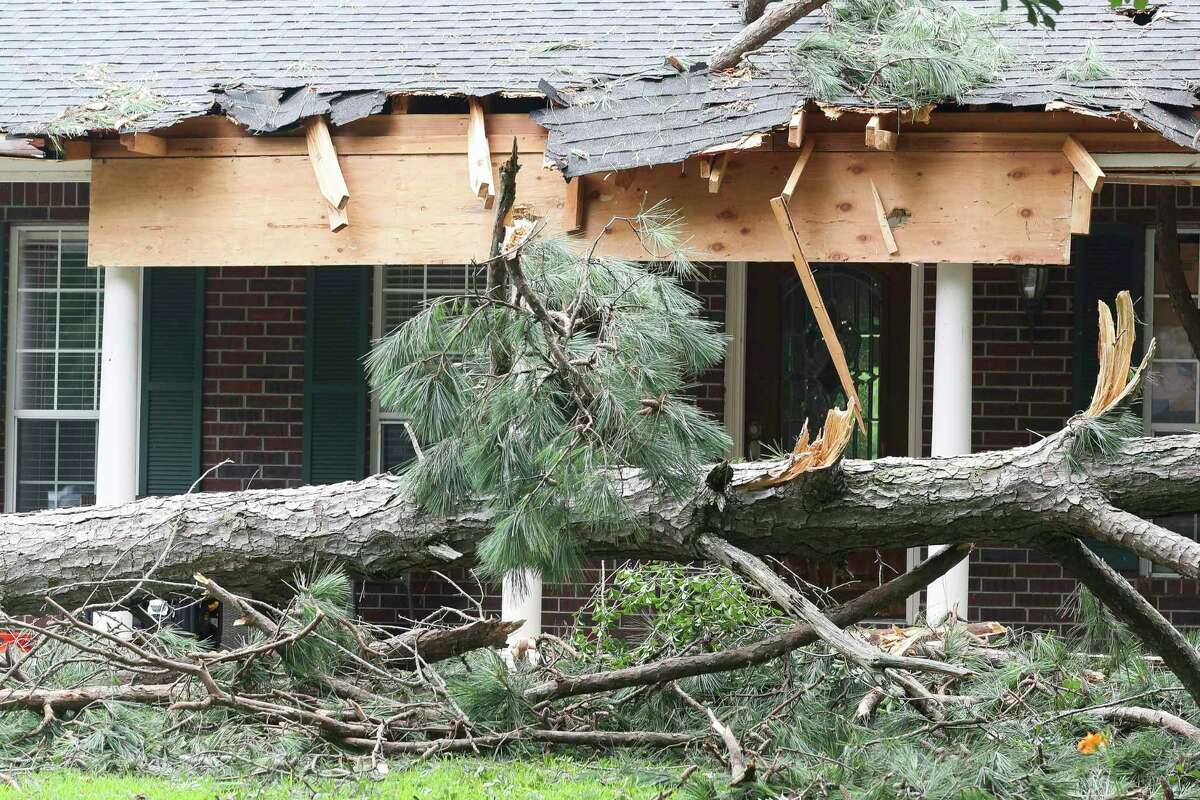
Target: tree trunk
pixel 762 30
pixel 253 540
pixel 1167 262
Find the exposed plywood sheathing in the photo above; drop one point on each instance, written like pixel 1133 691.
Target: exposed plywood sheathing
pixel 479 157
pixel 146 144
pixel 806 152
pixel 784 219
pixel 412 209
pixel 796 129
pixel 1081 206
pixel 1084 164
pixel 885 227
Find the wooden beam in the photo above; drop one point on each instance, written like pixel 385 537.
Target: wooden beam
pixel 339 218
pixel 573 210
pixel 76 149
pixel 330 181
pixel 796 128
pixel 1083 162
pixel 479 155
pixel 1154 178
pixel 877 137
pixel 717 173
pixel 145 143
pixel 806 152
pixel 828 332
pixel 399 104
pixel 1081 206
pixel 885 227
pixel 753 141
pixel 706 163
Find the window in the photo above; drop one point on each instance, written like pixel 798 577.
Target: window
pixel 400 294
pixel 1172 396
pixel 55 313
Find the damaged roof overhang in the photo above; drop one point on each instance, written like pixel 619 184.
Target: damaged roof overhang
pixel 649 122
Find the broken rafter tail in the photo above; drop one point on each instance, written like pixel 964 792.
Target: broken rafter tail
pixel 325 165
pixel 479 155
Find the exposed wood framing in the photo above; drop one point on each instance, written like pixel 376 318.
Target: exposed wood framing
pixel 717 173
pixel 878 137
pixel 573 210
pixel 330 181
pixel 145 143
pixel 1154 178
pixel 828 332
pixel 479 155
pixel 885 227
pixel 806 152
pixel 399 104
pixel 76 149
pixel 183 211
pixel 796 128
pixel 1081 206
pixel 706 163
pixel 753 141
pixel 1083 162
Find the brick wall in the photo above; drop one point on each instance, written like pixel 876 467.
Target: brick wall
pixel 24 203
pixel 253 401
pixel 1022 391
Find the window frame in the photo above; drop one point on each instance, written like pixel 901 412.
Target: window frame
pixel 12 374
pixel 378 417
pixel 1145 565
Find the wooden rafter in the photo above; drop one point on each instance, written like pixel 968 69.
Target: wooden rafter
pixel 885 227
pixel 573 210
pixel 479 155
pixel 1084 164
pixel 146 144
pixel 828 332
pixel 796 128
pixel 76 149
pixel 1081 206
pixel 328 171
pixel 716 173
pixel 878 137
pixel 806 152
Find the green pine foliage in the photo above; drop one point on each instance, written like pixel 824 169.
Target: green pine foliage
pixel 902 52
pixel 545 448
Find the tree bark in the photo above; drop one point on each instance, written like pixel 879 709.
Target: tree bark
pixel 1135 611
pixel 1169 266
pixel 253 540
pixel 762 30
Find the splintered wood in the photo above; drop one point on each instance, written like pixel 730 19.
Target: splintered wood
pixel 325 166
pixel 828 332
pixel 1114 382
pixel 479 155
pixel 808 456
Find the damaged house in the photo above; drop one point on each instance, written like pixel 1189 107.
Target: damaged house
pixel 210 209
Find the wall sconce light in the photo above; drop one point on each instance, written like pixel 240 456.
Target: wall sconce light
pixel 1031 285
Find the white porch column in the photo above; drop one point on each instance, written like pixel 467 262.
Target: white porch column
pixel 522 599
pixel 735 356
pixel 120 368
pixel 952 378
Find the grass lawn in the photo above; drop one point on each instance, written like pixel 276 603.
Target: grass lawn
pixel 449 779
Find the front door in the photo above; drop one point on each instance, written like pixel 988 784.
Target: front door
pixel 791 378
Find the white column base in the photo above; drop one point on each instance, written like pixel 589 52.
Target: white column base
pixel 120 370
pixel 952 384
pixel 522 600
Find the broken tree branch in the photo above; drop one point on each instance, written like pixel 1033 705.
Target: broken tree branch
pixel 762 30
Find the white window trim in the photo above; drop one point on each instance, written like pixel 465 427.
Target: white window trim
pixel 11 414
pixel 1145 566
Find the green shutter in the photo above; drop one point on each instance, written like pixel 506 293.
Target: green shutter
pixel 1109 260
pixel 335 382
pixel 172 379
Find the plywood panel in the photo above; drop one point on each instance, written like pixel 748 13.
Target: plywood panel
pixel 993 207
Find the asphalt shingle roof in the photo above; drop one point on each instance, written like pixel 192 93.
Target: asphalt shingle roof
pixel 55 55
pixel 1154 71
